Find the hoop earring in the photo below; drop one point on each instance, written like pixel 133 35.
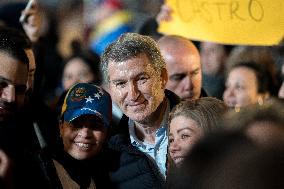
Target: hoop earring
pixel 237 109
pixel 260 101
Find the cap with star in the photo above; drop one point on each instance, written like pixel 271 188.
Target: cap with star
pixel 86 99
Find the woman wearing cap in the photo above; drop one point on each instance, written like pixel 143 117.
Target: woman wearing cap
pixel 85 118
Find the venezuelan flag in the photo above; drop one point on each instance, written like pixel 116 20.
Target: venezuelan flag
pixel 109 30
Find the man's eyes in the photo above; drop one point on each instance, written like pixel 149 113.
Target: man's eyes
pixel 19 89
pixel 142 80
pixel 139 80
pixel 120 84
pixel 178 77
pixel 3 84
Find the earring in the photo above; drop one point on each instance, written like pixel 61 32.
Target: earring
pixel 260 101
pixel 237 109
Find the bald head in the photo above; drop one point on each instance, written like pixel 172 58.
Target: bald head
pixel 175 43
pixel 183 66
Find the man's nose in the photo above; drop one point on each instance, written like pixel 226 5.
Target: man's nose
pixel 8 93
pixel 187 81
pixel 133 92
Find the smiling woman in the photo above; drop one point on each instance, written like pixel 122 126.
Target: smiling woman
pixel 84 137
pixel 191 120
pixel 84 124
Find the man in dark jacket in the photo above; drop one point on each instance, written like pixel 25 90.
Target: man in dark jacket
pixel 15 123
pixel 136 76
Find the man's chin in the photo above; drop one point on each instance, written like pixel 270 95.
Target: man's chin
pixel 137 116
pixel 187 97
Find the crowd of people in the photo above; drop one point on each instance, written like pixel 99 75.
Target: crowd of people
pixel 148 110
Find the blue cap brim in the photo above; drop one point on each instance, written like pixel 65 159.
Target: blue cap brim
pixel 70 116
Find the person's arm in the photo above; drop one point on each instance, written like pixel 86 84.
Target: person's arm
pixel 31 20
pixel 164 14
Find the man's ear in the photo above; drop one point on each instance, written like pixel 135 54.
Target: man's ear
pixel 164 76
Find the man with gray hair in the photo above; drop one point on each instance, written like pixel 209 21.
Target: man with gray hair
pixel 136 76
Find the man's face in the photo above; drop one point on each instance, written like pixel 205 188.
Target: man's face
pixel 184 72
pixel 32 68
pixel 13 79
pixel 136 87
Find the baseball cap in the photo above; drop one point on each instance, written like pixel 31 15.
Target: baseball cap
pixel 87 99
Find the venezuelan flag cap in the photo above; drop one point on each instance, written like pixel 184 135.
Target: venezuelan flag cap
pixel 86 99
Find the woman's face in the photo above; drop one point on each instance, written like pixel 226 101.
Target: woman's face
pixel 83 138
pixel 76 71
pixel 184 133
pixel 241 88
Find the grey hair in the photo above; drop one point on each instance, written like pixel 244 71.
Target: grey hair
pixel 131 45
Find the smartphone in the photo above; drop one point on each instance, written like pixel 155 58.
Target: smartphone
pixel 29 6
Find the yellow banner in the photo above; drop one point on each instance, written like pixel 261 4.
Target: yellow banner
pixel 246 22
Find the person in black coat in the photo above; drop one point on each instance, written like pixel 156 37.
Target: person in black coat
pixel 136 76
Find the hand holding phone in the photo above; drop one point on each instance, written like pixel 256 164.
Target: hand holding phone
pixel 31 20
pixel 25 12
